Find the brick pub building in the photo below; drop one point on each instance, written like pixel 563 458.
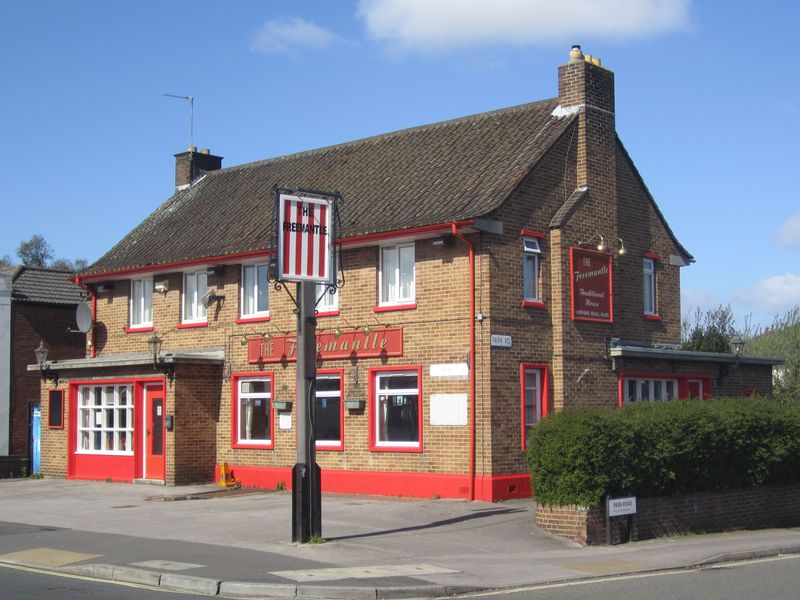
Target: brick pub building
pixel 496 267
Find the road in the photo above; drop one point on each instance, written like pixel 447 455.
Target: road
pixel 773 578
pixel 27 584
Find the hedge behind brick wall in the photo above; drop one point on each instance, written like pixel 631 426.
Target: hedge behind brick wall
pixel 578 456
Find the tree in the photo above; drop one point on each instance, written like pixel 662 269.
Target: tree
pixel 709 331
pixel 66 264
pixel 5 261
pixel 36 252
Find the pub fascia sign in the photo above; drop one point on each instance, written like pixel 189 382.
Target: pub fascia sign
pixel 351 344
pixel 590 276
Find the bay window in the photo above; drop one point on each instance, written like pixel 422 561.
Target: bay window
pixel 105 419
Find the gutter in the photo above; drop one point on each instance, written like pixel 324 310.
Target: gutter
pixel 456 233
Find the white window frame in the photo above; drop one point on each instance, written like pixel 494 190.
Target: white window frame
pixel 264 396
pixel 649 287
pixel 327 302
pixel 141 302
pixel 390 283
pixel 100 422
pixel 198 311
pixel 643 389
pixel 376 424
pixel 323 395
pixel 531 255
pixel 256 289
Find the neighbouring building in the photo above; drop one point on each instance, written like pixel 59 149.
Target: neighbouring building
pixel 496 267
pixel 36 306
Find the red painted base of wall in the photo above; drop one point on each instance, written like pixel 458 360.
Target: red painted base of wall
pixel 379 483
pixel 101 468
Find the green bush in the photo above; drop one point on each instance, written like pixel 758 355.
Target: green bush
pixel 578 456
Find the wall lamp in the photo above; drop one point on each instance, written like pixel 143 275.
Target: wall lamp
pixel 601 243
pixel 154 344
pixel 618 246
pixel 738 347
pixel 41 359
pixel 444 241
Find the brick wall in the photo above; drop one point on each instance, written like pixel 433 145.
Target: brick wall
pixel 32 323
pixel 754 508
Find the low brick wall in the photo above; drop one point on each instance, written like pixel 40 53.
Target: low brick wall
pixel 753 508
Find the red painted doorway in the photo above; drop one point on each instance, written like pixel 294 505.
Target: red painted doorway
pixel 154 432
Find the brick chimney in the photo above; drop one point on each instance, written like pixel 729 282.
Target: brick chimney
pixel 192 165
pixel 586 87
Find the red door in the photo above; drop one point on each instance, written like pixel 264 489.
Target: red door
pixel 154 432
pixel 696 388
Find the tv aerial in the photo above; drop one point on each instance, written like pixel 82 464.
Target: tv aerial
pixel 191 114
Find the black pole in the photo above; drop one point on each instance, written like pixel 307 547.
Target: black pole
pixel 306 485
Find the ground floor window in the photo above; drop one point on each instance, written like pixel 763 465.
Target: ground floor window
pixel 252 411
pixel 533 388
pixel 329 411
pixel 105 419
pixel 396 410
pixel 649 390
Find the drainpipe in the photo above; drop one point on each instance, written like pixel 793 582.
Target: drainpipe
pixel 471 360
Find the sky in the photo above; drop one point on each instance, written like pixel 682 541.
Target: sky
pixel 708 107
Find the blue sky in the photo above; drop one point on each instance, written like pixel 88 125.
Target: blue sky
pixel 708 106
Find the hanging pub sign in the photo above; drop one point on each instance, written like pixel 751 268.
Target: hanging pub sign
pixel 306 237
pixel 590 274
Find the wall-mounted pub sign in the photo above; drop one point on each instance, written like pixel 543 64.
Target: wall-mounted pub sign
pixel 590 274
pixel 382 342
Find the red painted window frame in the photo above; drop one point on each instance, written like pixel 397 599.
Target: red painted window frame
pixel 235 377
pixel 340 446
pixel 371 411
pixel 543 379
pixel 523 233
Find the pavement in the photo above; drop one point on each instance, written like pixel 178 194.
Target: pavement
pixel 237 544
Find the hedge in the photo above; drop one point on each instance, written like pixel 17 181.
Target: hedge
pixel 580 455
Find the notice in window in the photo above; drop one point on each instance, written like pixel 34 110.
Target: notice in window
pixel 591 285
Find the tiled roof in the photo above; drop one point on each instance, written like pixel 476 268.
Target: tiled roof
pixel 441 173
pixel 44 286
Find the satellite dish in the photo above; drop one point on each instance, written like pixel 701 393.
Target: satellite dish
pixel 83 316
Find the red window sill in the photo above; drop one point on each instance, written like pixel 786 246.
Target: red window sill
pixel 139 329
pixel 338 448
pixel 390 308
pixel 531 304
pixel 191 325
pixel 328 313
pixel 242 320
pixel 652 317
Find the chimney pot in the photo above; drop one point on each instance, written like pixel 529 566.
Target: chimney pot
pixel 575 54
pixel 205 151
pixel 587 58
pixel 596 61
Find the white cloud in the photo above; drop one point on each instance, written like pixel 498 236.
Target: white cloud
pixel 420 25
pixel 789 233
pixel 772 295
pixel 286 36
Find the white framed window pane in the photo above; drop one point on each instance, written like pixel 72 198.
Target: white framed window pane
pixel 649 286
pixel 105 420
pixel 397 411
pixel 202 286
pixel 189 296
pixel 406 273
pixel 327 301
pixel 531 277
pixel 533 399
pixel 255 402
pixel 389 267
pixel 249 290
pixel 262 295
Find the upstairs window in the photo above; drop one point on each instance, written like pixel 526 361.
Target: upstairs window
pixel 530 257
pixel 142 302
pixel 195 285
pixel 649 272
pixel 328 302
pixel 255 291
pixel 397 275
